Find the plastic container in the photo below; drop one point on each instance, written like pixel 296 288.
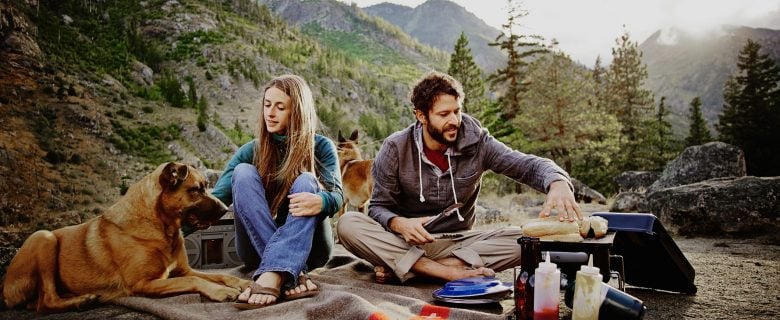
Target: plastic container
pixel 530 256
pixel 587 295
pixel 615 304
pixel 547 282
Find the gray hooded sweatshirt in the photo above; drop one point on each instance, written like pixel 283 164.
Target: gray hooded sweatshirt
pixel 407 184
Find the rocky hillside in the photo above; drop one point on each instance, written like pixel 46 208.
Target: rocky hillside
pixel 94 94
pixel 349 29
pixel 439 23
pixel 681 66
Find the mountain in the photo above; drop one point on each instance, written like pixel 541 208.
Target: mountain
pixel 682 66
pixel 439 23
pixel 349 29
pixel 96 94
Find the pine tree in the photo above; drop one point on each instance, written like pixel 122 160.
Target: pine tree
pixel 192 95
pixel 464 69
pixel 625 98
pixel 519 49
pixel 698 133
pixel 202 117
pixel 751 111
pixel 665 148
pixel 599 81
pixel 560 123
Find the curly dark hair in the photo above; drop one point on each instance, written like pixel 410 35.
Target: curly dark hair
pixel 433 84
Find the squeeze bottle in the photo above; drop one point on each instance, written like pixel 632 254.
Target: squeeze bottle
pixel 587 293
pixel 547 284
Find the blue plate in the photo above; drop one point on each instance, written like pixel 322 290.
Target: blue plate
pixel 472 287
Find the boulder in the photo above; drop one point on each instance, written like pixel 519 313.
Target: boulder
pixel 584 193
pixel 699 163
pixel 487 215
pixel 212 176
pixel 636 181
pixel 629 202
pixel 6 255
pixel 142 74
pixel 746 205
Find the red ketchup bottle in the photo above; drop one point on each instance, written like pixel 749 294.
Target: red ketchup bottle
pixel 530 255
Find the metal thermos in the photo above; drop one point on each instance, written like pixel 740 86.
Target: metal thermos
pixel 616 304
pixel 530 256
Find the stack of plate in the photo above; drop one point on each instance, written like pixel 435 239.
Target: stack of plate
pixel 473 291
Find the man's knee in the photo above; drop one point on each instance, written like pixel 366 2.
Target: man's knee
pixel 348 226
pixel 511 232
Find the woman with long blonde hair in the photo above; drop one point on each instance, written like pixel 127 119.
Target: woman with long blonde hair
pixel 284 185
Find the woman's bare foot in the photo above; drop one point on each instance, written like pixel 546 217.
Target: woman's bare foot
pixel 383 276
pixel 308 286
pixel 270 280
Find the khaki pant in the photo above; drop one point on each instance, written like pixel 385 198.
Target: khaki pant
pixel 367 239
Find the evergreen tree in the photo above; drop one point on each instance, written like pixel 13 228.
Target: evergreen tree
pixel 464 69
pixel 751 112
pixel 519 49
pixel 202 117
pixel 559 121
pixel 170 88
pixel 599 81
pixel 192 95
pixel 625 98
pixel 665 146
pixel 698 133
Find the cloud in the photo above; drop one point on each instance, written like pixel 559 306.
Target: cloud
pixel 586 29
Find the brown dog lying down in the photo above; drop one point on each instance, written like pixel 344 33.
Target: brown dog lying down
pixel 134 248
pixel 569 231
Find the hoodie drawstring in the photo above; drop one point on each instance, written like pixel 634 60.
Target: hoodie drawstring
pixel 452 181
pixel 419 172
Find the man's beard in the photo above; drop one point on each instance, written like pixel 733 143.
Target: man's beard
pixel 438 135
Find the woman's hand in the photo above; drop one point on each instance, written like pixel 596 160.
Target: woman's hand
pixel 304 204
pixel 560 196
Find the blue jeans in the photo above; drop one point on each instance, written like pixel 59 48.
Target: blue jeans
pixel 282 245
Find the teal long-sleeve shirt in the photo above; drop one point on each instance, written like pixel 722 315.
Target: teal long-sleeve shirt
pixel 327 168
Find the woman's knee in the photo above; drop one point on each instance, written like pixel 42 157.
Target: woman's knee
pixel 245 172
pixel 306 182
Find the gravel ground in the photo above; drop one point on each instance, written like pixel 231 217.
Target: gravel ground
pixel 736 278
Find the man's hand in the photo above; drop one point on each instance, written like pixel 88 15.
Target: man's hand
pixel 561 197
pixel 411 229
pixel 305 204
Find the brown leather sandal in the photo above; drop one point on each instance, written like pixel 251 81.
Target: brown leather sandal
pixel 255 288
pixel 308 293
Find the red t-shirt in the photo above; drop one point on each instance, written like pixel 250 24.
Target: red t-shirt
pixel 437 157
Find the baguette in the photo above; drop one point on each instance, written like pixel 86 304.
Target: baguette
pixel 569 237
pixel 545 227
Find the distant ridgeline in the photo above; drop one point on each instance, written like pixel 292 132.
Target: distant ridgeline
pixel 681 66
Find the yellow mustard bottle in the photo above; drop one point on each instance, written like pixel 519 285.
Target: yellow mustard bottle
pixel 587 293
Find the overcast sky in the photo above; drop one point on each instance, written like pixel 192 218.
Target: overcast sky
pixel 586 29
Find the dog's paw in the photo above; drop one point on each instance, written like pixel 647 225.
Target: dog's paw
pixel 223 293
pixel 88 301
pixel 242 284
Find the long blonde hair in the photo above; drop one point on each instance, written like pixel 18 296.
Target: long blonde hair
pixel 279 171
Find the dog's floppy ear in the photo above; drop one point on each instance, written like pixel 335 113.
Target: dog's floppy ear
pixel 173 175
pixel 354 136
pixel 341 138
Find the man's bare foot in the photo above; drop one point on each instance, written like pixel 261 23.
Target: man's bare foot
pixel 383 276
pixel 269 280
pixel 469 273
pixel 302 287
